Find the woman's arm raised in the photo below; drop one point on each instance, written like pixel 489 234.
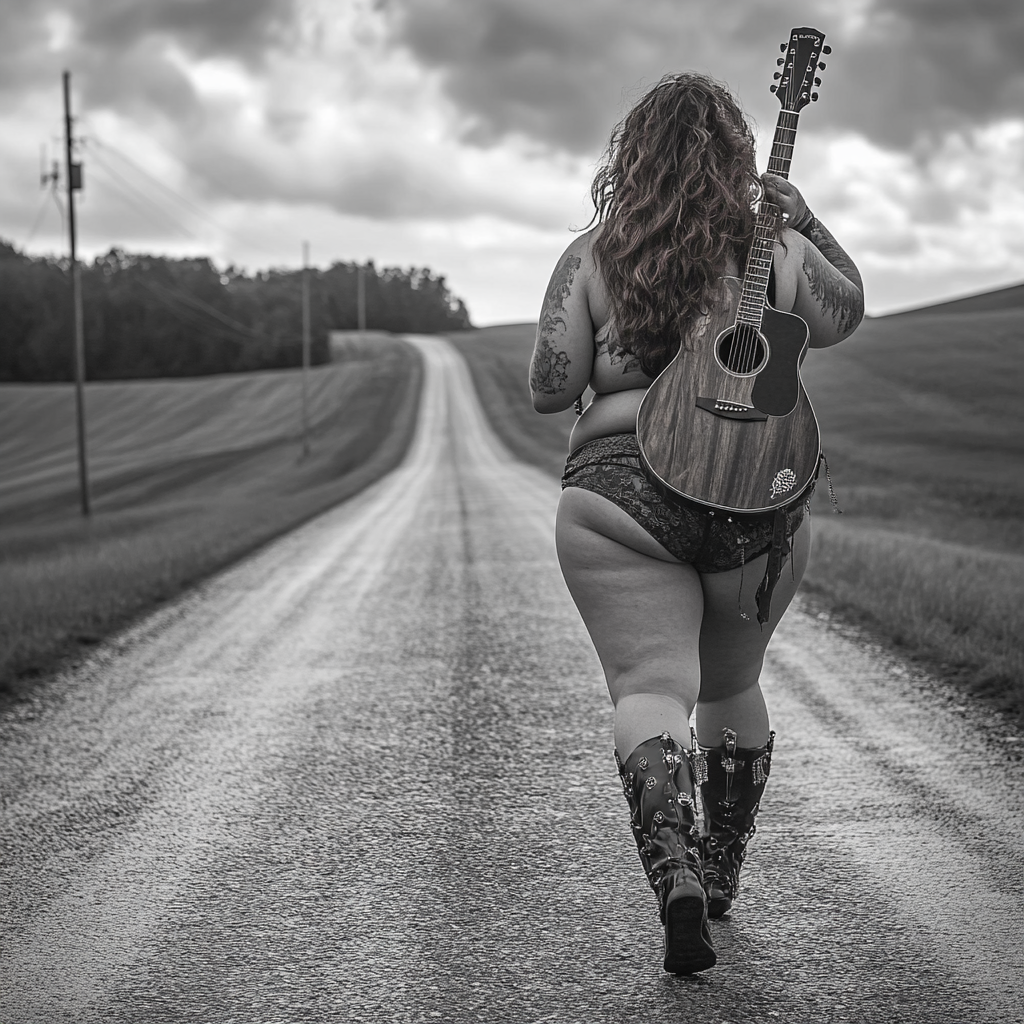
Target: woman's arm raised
pixel 824 283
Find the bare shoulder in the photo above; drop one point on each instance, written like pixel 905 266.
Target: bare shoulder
pixel 581 251
pixel 570 280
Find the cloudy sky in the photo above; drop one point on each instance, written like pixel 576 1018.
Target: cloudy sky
pixel 462 134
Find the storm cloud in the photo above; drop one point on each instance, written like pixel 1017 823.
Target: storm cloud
pixel 561 73
pixel 556 75
pixel 124 52
pixel 473 126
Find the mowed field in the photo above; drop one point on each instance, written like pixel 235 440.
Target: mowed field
pixel 187 475
pixel 922 418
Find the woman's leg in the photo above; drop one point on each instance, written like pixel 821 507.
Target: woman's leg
pixel 732 648
pixel 643 609
pixel 732 720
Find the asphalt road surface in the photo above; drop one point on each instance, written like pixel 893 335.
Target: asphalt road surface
pixel 366 775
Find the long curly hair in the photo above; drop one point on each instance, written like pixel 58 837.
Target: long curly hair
pixel 675 195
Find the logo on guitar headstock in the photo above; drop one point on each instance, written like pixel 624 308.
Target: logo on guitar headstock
pixel 800 67
pixel 785 480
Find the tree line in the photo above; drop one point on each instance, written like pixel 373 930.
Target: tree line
pixel 154 316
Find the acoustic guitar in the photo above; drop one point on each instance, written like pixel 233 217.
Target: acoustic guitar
pixel 727 424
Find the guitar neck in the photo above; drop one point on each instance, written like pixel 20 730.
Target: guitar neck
pixel 782 145
pixel 762 249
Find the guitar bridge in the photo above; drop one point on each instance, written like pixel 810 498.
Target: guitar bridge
pixel 731 410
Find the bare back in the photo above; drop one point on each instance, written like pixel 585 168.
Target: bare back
pixel 616 378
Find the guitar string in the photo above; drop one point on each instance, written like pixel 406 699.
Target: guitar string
pixel 746 340
pixel 751 348
pixel 746 350
pixel 747 354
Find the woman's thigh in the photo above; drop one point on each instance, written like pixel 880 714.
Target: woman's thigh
pixel 732 647
pixel 642 607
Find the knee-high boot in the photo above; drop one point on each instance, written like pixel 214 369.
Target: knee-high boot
pixel 668 840
pixel 732 781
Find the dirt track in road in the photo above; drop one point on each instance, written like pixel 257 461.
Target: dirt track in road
pixel 365 775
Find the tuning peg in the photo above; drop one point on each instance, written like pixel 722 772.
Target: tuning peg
pixel 826 49
pixel 781 60
pixel 782 47
pixel 821 66
pixel 817 81
pixel 778 74
pixel 814 97
pixel 773 88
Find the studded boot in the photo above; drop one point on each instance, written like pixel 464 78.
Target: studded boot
pixel 731 781
pixel 668 840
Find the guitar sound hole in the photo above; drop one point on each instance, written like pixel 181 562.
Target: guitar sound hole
pixel 742 349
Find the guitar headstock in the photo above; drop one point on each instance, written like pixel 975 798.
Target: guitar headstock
pixel 800 63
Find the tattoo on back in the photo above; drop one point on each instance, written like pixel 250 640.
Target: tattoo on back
pixel 607 340
pixel 549 371
pixel 836 296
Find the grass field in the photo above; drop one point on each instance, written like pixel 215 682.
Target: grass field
pixel 187 476
pixel 922 420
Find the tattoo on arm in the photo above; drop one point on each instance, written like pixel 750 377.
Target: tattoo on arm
pixel 837 296
pixel 549 370
pixel 820 235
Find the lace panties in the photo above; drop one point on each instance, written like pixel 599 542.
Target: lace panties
pixel 710 541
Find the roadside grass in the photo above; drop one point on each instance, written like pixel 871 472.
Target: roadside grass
pixel 214 471
pixel 922 420
pixel 957 607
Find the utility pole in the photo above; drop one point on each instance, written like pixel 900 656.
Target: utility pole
pixel 305 349
pixel 73 174
pixel 361 300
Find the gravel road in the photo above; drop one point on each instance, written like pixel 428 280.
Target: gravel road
pixel 366 775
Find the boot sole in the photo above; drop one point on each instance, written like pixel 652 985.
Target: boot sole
pixel 688 946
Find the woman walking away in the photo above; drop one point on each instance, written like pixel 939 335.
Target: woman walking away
pixel 659 581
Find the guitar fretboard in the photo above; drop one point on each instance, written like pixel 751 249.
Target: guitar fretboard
pixel 782 145
pixel 762 249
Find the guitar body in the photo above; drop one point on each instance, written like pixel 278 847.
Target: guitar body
pixel 743 439
pixel 728 424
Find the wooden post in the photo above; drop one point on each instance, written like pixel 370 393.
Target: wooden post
pixel 305 349
pixel 73 173
pixel 361 300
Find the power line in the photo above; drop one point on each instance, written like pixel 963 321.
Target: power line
pixel 172 297
pixel 205 307
pixel 198 210
pixel 177 196
pixel 38 220
pixel 172 301
pixel 170 218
